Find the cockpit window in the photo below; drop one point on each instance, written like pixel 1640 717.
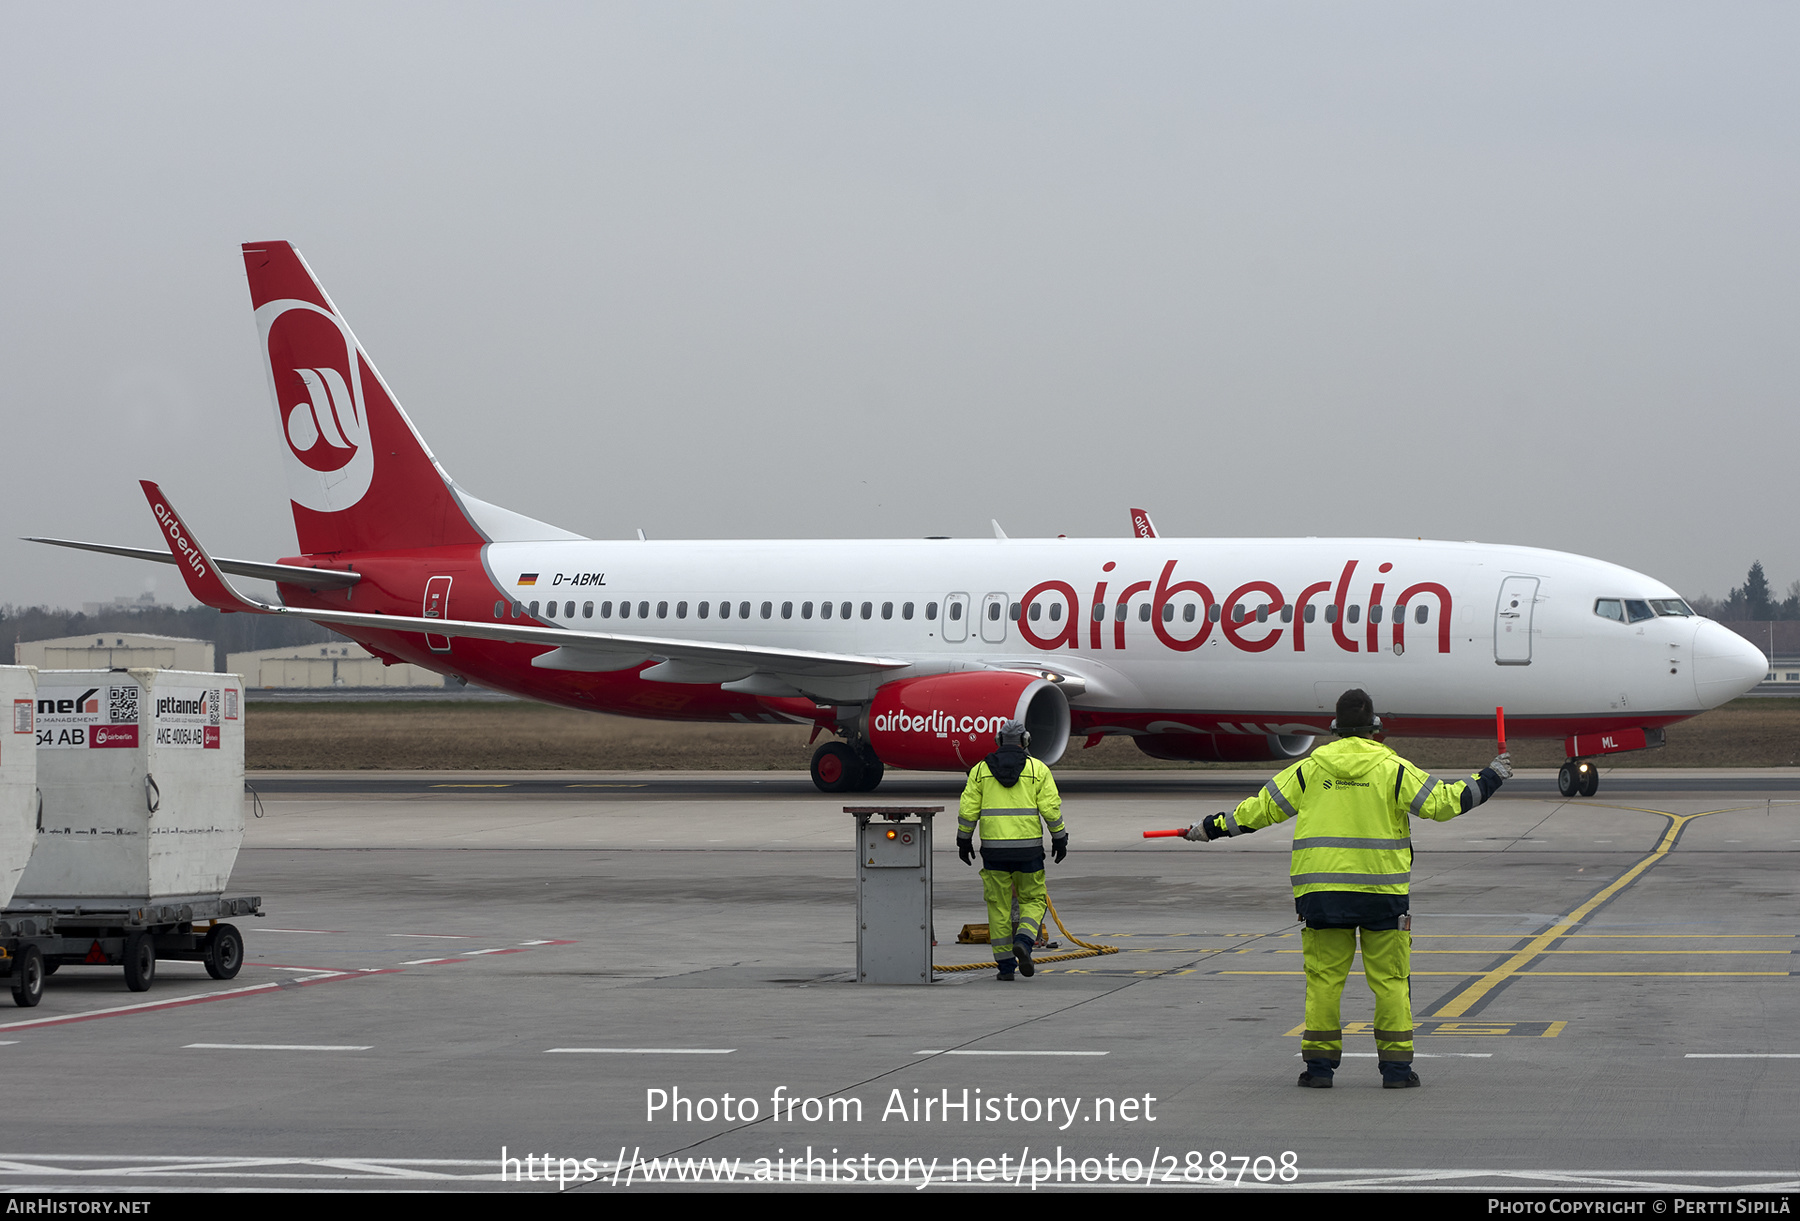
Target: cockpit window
pixel 1637 611
pixel 1671 606
pixel 1610 608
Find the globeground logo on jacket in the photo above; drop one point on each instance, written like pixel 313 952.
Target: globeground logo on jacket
pixel 316 378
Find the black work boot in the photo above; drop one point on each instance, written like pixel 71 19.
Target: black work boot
pixel 1005 967
pixel 1317 1075
pixel 1398 1075
pixel 1022 950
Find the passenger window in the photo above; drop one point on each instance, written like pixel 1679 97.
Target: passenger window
pixel 724 610
pixel 568 610
pixel 1374 613
pixel 624 610
pixel 956 611
pixel 1143 612
pixel 550 611
pixel 806 610
pixel 824 610
pixel 1056 612
pixel 1187 612
pixel 1262 613
pixel 662 610
pixel 1287 614
pixel 906 610
pixel 1354 613
pixel 887 610
pixel 787 610
pixel 587 610
pixel 606 610
pixel 1012 612
pixel 534 609
pixel 1330 613
pixel 1099 612
pixel 1423 612
pixel 743 610
pixel 681 610
pixel 768 609
pixel 1610 608
pixel 930 611
pixel 518 608
pixel 993 611
pixel 1037 611
pixel 844 610
pixel 1212 612
pixel 868 610
pixel 1122 611
pixel 499 610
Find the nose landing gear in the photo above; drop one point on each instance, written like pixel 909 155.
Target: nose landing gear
pixel 1578 778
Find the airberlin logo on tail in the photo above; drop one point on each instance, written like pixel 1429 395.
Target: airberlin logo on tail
pixel 316 375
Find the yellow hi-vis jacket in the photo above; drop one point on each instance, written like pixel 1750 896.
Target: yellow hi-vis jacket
pixel 1009 817
pixel 1351 799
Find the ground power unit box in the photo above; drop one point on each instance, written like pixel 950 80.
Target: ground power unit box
pixel 18 776
pixel 142 780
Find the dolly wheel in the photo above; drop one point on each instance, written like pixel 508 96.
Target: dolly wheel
pixel 224 952
pixel 28 977
pixel 140 962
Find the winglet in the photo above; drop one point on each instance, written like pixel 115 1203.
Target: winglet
pixel 1140 524
pixel 204 580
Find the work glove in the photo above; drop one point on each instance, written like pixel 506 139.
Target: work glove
pixel 965 848
pixel 1059 848
pixel 1206 829
pixel 1502 765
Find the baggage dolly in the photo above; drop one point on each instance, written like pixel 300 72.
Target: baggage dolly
pixel 37 938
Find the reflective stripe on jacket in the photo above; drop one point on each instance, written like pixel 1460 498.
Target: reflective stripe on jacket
pixel 1009 817
pixel 1351 800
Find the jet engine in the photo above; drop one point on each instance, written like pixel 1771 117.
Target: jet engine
pixel 947 722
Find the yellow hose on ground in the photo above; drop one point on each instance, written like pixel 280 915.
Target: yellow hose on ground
pixel 1089 949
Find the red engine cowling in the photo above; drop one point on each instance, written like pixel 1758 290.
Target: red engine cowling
pixel 1224 747
pixel 947 722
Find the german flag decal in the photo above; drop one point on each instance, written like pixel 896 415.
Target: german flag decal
pixel 528 578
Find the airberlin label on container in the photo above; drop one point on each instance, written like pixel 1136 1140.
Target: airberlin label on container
pixel 189 717
pixel 77 718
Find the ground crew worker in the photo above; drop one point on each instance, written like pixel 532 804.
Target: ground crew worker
pixel 1008 793
pixel 1350 870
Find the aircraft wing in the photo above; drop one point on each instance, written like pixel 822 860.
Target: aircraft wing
pixel 685 660
pixel 292 574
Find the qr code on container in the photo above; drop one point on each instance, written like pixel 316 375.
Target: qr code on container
pixel 122 705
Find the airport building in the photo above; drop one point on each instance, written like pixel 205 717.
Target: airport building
pixel 116 651
pixel 315 666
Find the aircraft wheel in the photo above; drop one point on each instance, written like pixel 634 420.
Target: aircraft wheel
pixel 28 977
pixel 1567 782
pixel 140 962
pixel 836 769
pixel 1590 780
pixel 224 952
pixel 872 771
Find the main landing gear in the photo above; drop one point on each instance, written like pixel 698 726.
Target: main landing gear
pixel 838 767
pixel 1578 778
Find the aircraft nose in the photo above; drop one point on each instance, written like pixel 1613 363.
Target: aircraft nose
pixel 1725 664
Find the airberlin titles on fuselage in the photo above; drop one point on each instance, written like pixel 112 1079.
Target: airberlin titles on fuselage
pixel 1254 617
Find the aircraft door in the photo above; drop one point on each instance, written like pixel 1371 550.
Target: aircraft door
pixel 437 606
pixel 1512 621
pixel 993 619
pixel 956 617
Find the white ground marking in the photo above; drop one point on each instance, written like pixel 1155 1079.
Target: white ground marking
pixel 641 1051
pixel 278 1046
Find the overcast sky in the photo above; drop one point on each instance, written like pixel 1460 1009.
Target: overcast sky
pixel 1503 272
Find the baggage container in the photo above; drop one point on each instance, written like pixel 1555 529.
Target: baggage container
pixel 18 776
pixel 142 780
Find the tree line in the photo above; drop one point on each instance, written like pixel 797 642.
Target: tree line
pixel 1752 600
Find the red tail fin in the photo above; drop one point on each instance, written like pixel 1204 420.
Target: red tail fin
pixel 359 474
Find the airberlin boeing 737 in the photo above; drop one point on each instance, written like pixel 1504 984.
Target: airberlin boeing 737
pixel 911 652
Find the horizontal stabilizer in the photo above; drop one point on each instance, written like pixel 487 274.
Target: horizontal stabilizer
pixel 290 574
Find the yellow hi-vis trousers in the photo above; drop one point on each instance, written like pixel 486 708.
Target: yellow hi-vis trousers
pixel 1387 965
pixel 997 886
